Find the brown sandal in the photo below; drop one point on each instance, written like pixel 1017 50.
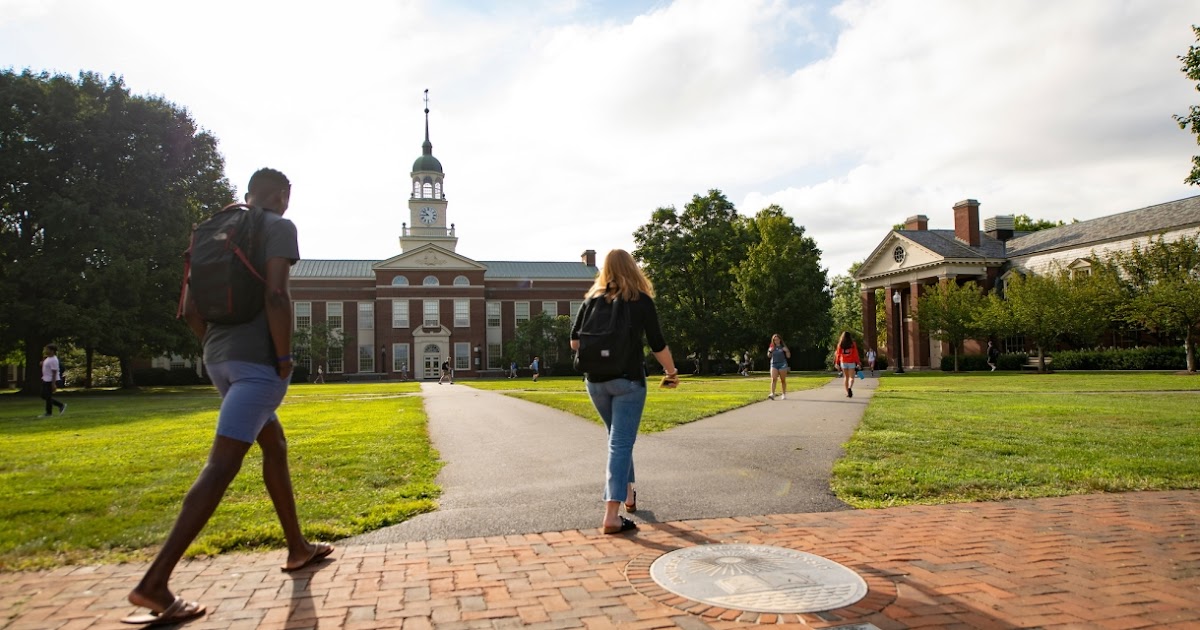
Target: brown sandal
pixel 631 506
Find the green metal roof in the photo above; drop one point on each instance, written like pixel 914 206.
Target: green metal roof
pixel 427 163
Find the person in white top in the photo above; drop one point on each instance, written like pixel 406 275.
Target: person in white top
pixel 50 375
pixel 871 360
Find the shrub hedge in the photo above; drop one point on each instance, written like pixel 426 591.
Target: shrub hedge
pixel 1152 358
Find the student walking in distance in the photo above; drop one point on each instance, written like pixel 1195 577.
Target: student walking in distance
pixel 51 372
pixel 620 398
pixel 250 364
pixel 320 375
pixel 846 358
pixel 512 370
pixel 871 360
pixel 445 372
pixel 993 355
pixel 534 366
pixel 778 355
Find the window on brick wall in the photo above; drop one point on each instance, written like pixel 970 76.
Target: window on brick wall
pixel 493 314
pixel 366 358
pixel 399 313
pixel 550 308
pixel 495 357
pixel 433 316
pixel 520 312
pixel 462 313
pixel 399 357
pixel 302 314
pixel 462 356
pixel 366 315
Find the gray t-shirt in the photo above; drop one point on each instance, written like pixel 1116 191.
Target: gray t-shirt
pixel 251 341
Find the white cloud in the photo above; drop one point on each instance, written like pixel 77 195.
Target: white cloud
pixel 561 128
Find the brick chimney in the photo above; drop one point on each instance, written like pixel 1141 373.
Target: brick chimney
pixel 966 222
pixel 917 222
pixel 589 258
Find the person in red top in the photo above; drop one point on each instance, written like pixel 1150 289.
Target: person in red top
pixel 846 359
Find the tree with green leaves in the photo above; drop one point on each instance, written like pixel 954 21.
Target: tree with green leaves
pixel 846 304
pixel 1025 223
pixel 541 336
pixel 1191 120
pixel 1047 308
pixel 320 341
pixel 1163 279
pixel 690 257
pixel 781 286
pixel 951 312
pixel 100 188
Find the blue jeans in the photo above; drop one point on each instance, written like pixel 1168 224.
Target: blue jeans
pixel 620 403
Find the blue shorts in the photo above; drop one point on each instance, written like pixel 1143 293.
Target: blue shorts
pixel 849 366
pixel 250 394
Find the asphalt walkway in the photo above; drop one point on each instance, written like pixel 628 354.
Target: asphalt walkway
pixel 517 467
pixel 1098 561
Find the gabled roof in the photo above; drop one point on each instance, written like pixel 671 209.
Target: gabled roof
pixel 1143 221
pixel 340 269
pixel 944 243
pixel 505 269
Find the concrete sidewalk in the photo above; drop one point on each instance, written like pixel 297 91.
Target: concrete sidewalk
pixel 1098 561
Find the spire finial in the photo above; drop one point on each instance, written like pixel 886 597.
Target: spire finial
pixel 427 146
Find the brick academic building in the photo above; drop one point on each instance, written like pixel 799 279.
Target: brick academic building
pixel 407 314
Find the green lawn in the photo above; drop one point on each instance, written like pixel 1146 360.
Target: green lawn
pixel 696 397
pixel 938 438
pixel 104 482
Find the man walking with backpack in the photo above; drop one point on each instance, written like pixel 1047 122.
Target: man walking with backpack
pixel 250 363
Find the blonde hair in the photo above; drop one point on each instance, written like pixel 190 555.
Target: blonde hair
pixel 620 277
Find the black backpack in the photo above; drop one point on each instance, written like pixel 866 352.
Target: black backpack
pixel 221 267
pixel 605 339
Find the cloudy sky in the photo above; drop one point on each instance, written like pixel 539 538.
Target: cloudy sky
pixel 562 124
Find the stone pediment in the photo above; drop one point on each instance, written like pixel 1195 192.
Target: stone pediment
pixel 429 258
pixel 897 254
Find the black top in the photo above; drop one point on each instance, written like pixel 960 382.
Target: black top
pixel 643 322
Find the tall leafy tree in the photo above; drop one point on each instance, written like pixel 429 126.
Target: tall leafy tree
pixel 320 341
pixel 846 304
pixel 541 336
pixel 1164 282
pixel 1191 120
pixel 1050 307
pixel 951 313
pixel 782 287
pixel 100 190
pixel 690 257
pixel 1025 223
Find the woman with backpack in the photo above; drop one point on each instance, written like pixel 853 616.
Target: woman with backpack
pixel 620 396
pixel 845 358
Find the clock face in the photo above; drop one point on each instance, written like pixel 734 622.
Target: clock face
pixel 428 215
pixel 898 254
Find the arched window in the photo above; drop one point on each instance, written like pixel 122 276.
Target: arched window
pixel 399 281
pixel 426 190
pixel 430 281
pixel 433 348
pixel 437 190
pixel 461 281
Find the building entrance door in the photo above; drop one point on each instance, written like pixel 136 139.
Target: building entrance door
pixel 431 360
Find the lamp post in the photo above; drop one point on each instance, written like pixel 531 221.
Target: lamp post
pixel 899 332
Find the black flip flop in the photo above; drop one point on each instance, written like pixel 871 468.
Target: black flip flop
pixel 626 525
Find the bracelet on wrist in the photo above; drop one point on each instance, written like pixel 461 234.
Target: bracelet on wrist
pixel 675 373
pixel 282 359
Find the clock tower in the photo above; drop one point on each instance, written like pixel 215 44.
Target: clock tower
pixel 427 202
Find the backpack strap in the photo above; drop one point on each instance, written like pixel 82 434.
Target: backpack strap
pixel 187 272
